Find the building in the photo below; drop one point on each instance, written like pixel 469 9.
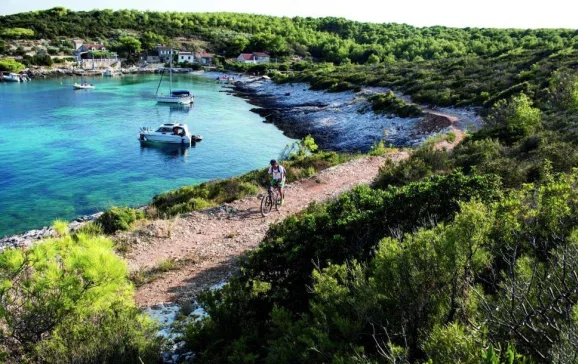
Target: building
pixel 255 58
pixel 206 59
pixel 186 57
pixel 202 58
pixel 164 53
pixel 159 54
pixel 87 47
pixel 87 59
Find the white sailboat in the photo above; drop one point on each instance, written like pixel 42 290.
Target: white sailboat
pixel 181 97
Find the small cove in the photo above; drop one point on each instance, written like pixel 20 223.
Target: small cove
pixel 67 153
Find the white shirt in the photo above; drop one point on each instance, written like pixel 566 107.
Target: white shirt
pixel 277 173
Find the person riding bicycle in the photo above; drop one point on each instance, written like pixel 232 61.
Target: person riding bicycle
pixel 277 177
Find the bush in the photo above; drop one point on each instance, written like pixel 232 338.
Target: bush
pixel 11 65
pixel 118 218
pixel 389 103
pixel 514 119
pixel 68 300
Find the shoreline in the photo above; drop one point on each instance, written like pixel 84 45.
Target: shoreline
pixel 297 112
pixel 344 121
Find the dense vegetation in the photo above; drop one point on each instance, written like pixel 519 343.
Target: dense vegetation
pixel 69 300
pixel 332 39
pixel 461 256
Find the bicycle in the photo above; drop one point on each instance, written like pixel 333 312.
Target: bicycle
pixel 271 199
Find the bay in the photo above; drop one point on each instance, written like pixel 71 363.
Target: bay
pixel 65 153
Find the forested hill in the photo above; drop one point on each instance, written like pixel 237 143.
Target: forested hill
pixel 332 39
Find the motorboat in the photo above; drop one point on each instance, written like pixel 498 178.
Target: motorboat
pixel 11 77
pixel 83 86
pixel 173 133
pixel 181 97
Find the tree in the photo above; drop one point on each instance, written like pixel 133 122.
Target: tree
pixel 373 59
pixel 514 118
pixel 17 33
pixel 11 65
pixel 149 40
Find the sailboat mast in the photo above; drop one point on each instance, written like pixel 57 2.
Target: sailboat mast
pixel 171 73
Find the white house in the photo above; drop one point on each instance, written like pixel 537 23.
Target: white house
pixel 255 58
pixel 186 57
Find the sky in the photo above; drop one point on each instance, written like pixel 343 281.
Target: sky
pixel 454 13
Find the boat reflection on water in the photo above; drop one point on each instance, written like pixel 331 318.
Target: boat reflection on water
pixel 166 149
pixel 184 109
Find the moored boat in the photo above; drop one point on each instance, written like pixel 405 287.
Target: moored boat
pixel 173 133
pixel 11 77
pixel 83 86
pixel 181 97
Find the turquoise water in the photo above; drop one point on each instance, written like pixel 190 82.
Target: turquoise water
pixel 65 153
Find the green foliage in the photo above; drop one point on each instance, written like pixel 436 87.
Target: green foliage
pixel 423 162
pixel 213 193
pixel 11 65
pixel 391 104
pixel 17 33
pixel 61 227
pixel 68 300
pixel 378 149
pixel 37 60
pixel 514 119
pixel 563 91
pixel 349 228
pixel 118 219
pixel 300 149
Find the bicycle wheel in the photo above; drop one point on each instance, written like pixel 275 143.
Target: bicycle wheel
pixel 276 200
pixel 266 205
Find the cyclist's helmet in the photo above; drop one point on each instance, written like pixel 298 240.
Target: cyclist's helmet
pixel 273 162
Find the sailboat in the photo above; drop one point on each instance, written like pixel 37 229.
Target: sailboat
pixel 182 97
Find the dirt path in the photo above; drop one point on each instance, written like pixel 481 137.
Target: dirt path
pixel 209 242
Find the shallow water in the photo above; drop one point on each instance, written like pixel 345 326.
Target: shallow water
pixel 65 153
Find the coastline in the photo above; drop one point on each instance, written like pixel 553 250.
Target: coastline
pixel 342 122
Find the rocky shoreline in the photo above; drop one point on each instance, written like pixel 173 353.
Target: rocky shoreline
pixel 56 72
pixel 30 237
pixel 344 121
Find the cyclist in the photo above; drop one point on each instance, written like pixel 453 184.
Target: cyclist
pixel 278 175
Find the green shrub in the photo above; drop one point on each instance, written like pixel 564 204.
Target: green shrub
pixel 90 229
pixel 119 219
pixel 391 104
pixel 11 65
pixel 513 119
pixel 68 300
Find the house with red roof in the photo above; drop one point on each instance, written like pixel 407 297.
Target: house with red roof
pixel 255 58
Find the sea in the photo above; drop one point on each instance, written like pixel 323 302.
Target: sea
pixel 67 153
